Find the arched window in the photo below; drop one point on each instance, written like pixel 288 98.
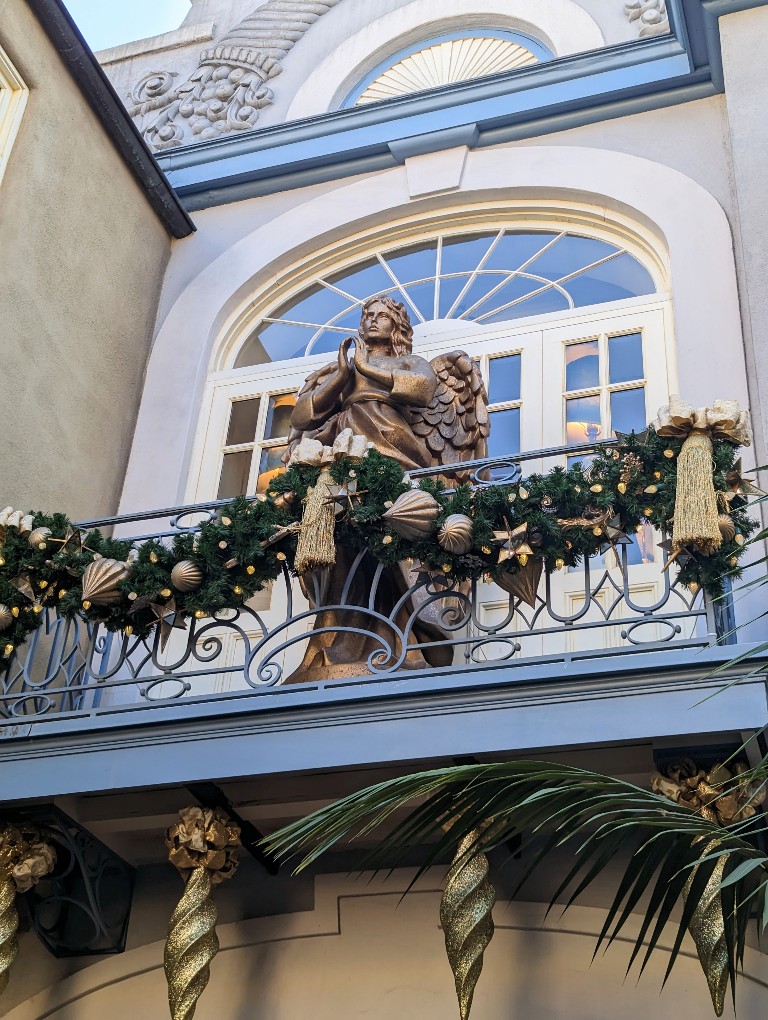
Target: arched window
pixel 568 325
pixel 445 60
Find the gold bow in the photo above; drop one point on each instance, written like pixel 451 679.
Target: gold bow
pixel 723 420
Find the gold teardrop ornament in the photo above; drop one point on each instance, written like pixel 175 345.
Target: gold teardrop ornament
pixel 466 916
pixel 455 536
pixel 101 579
pixel 413 514
pixel 186 576
pixel 523 583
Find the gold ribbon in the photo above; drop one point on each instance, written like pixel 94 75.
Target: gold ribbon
pixel 203 846
pixel 25 858
pixel 696 510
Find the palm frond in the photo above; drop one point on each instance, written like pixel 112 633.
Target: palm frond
pixel 551 807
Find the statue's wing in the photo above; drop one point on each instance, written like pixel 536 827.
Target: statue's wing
pixel 455 425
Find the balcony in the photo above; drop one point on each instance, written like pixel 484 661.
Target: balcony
pixel 619 612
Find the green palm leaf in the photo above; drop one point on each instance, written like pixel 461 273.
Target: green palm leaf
pixel 549 807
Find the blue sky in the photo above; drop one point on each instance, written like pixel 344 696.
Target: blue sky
pixel 106 23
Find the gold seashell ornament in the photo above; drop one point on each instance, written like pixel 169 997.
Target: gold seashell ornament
pixel 413 514
pixel 455 536
pixel 727 527
pixel 100 581
pixel 39 537
pixel 6 617
pixel 186 576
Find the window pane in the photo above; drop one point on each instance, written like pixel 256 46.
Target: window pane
pixel 270 466
pixel 628 410
pixel 234 474
pixel 423 296
pixel 505 433
pixel 279 416
pixel 642 548
pixel 463 254
pixel 450 288
pixel 582 365
pixel 364 279
pixel 518 287
pixel 274 341
pixel 568 255
pixel 316 305
pixel 620 278
pixel 625 358
pixel 514 250
pixel 549 301
pixel 582 420
pixel 504 379
pixel 243 419
pixel 416 263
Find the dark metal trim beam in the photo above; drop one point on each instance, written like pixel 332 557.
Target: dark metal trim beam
pixel 104 101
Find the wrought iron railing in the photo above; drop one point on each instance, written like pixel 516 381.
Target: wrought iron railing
pixel 607 606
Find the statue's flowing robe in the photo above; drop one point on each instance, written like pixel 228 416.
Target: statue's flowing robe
pixel 378 413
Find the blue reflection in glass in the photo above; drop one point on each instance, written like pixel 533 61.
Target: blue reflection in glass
pixel 362 280
pixel 417 263
pixel 568 255
pixel 316 306
pixel 548 301
pixel 514 250
pixel 450 288
pixel 274 342
pixel 582 366
pixel 625 358
pixel 620 278
pixel 628 410
pixel 463 254
pixel 504 379
pixel 505 433
pixel 423 296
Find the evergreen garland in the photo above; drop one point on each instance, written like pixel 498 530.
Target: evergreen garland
pixel 238 555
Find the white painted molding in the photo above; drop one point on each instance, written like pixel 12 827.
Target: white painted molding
pixel 562 25
pixel 187 35
pixel 13 101
pixel 688 224
pixel 435 172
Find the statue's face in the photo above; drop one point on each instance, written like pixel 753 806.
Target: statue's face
pixel 377 324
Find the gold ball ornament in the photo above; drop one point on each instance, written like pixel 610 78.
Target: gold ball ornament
pixel 153 557
pixel 226 521
pixel 186 576
pixel 486 549
pixel 86 604
pixel 387 540
pixel 281 557
pixel 250 570
pixel 455 536
pixel 39 537
pixel 559 563
pixel 739 539
pixel 237 590
pixel 522 559
pixel 100 582
pixel 446 568
pixel 199 614
pixel 727 527
pixel 8 650
pixel 523 492
pixel 37 609
pixel 62 592
pixel 651 490
pixel 647 511
pixel 6 617
pixel 657 475
pixel 15 612
pixel 596 487
pixel 669 454
pixel 128 630
pixel 42 585
pixel 693 587
pixel 622 487
pixel 223 545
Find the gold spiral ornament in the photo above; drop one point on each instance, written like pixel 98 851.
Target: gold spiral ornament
pixel 9 925
pixel 191 946
pixel 466 916
pixel 707 930
pixel 203 846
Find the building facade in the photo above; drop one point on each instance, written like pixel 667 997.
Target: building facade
pixel 572 193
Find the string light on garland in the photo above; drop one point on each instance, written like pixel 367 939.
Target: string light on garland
pixel 548 521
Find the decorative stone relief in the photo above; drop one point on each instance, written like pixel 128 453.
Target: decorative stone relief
pixel 651 16
pixel 228 89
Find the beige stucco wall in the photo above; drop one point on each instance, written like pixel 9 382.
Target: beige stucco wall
pixel 83 256
pixel 362 951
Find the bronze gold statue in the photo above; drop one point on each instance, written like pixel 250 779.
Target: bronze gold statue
pixel 423 414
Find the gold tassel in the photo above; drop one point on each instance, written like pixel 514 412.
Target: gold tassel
pixel 466 916
pixel 9 925
pixel 316 547
pixel 191 946
pixel 696 513
pixel 707 929
pixel 203 846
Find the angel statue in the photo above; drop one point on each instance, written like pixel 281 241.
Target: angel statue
pixel 423 414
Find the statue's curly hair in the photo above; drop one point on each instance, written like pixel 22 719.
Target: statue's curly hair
pixel 402 334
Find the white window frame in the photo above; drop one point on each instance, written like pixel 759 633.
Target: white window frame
pixel 13 101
